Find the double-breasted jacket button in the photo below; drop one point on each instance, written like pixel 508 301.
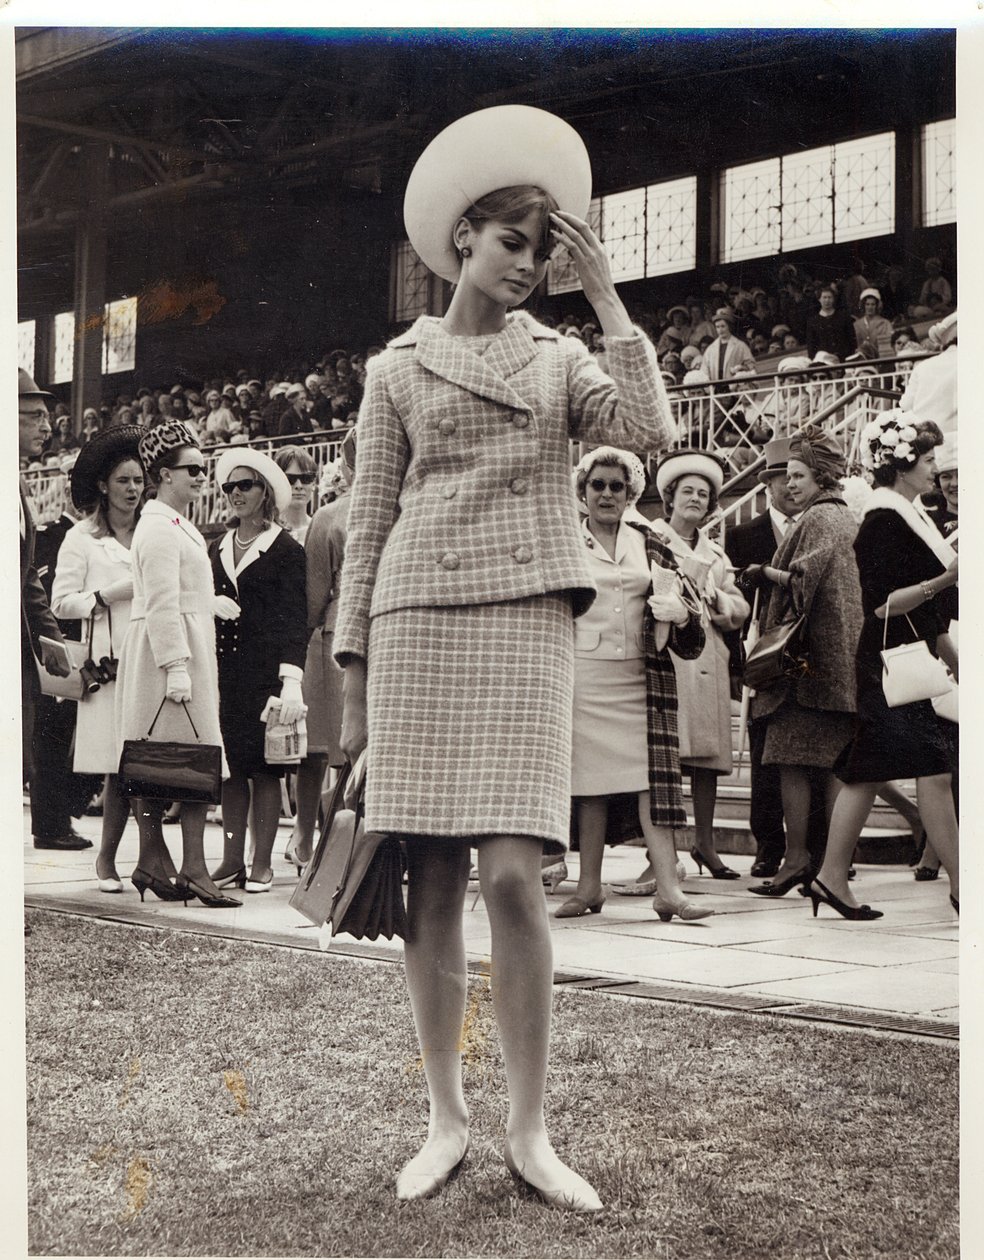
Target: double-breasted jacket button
pixel 521 420
pixel 523 555
pixel 447 426
pixel 449 491
pixel 450 560
pixel 519 485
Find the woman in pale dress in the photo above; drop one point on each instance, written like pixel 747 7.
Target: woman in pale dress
pixel 93 582
pixel 689 482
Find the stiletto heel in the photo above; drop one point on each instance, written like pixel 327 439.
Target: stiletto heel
pixel 685 910
pixel 716 872
pixel 779 888
pixel 236 880
pixel 855 913
pixel 188 890
pixel 142 880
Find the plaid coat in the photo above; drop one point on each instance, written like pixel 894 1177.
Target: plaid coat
pixel 665 792
pixel 463 493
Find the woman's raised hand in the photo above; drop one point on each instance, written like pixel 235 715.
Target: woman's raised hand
pixel 593 270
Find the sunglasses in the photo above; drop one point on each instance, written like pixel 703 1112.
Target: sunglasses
pixel 193 470
pixel 243 484
pixel 598 484
pixel 299 479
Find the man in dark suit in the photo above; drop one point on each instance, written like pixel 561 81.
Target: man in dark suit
pixel 755 542
pixel 34 429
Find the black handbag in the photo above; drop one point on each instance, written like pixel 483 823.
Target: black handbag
pixel 354 881
pixel 782 652
pixel 165 770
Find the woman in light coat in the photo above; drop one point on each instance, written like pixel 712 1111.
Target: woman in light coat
pixel 689 483
pixel 94 584
pixel 168 660
pixel 463 567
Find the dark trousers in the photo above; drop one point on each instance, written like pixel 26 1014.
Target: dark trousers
pixel 765 814
pixel 57 793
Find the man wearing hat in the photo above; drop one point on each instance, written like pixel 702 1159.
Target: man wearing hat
pixel 37 619
pixel 755 542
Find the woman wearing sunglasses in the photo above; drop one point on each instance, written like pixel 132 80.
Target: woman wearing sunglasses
pixel 624 734
pixel 302 474
pixel 167 661
pixel 258 570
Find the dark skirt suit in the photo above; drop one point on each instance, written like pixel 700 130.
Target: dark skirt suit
pixel 265 643
pixel 910 741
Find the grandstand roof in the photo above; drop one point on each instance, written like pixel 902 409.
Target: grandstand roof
pixel 193 114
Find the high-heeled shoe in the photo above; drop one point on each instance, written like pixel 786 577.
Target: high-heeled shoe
pixel 955 903
pixel 554 875
pixel 779 887
pixel 574 907
pixel 111 886
pixel 258 885
pixel 236 880
pixel 576 1196
pixel 163 888
pixel 923 874
pixel 411 1184
pixel 856 913
pixel 188 890
pixel 919 842
pixel 684 910
pixel 717 872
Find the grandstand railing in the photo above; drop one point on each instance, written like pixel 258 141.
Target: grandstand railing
pixel 725 417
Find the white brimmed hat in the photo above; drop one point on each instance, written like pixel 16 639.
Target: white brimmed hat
pixel 495 148
pixel 946 454
pixel 684 463
pixel 272 474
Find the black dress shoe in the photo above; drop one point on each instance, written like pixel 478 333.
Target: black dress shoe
pixel 71 841
pixel 764 868
pixel 84 841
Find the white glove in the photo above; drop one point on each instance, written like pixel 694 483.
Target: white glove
pixel 292 706
pixel 225 608
pixel 178 684
pixel 669 608
pixel 123 589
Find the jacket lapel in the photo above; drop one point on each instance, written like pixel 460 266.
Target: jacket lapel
pixel 259 548
pixel 485 375
pixel 226 556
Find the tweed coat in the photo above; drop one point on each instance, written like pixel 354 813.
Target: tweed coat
pixel 818 550
pixel 170 620
pixel 463 492
pixel 87 563
pixel 665 791
pixel 704 684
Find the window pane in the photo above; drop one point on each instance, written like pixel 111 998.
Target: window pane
pixel 671 227
pixel 64 365
pixel 751 210
pixel 864 187
pixel 120 336
pixel 623 229
pixel 562 274
pixel 411 284
pixel 939 163
pixel 25 345
pixel 807 207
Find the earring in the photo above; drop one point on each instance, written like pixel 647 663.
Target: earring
pixel 466 251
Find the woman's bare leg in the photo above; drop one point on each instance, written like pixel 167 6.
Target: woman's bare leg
pixel 265 817
pixel 434 958
pixel 235 813
pixel 116 811
pixel 850 813
pixel 522 992
pixel 592 827
pixel 937 812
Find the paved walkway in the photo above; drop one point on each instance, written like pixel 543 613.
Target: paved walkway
pixel 899 972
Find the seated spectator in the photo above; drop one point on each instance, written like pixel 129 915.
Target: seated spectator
pixel 904 336
pixel 218 419
pixel 759 344
pixel 297 418
pixel 895 292
pixel 676 336
pixel 935 296
pixel 700 325
pixel 871 326
pixel 831 329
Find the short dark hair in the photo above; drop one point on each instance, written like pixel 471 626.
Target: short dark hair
pixel 671 488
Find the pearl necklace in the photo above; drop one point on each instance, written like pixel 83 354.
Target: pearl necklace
pixel 243 545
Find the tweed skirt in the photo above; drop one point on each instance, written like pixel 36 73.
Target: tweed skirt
pixel 470 720
pixel 798 736
pixel 610 753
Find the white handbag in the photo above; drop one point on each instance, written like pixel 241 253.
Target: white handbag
pixel 910 671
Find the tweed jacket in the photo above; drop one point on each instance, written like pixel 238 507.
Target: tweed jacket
pixel 463 491
pixel 663 743
pixel 818 551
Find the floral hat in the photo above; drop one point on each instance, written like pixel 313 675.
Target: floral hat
pixel 888 440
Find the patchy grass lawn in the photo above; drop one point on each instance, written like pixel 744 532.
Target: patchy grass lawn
pixel 195 1097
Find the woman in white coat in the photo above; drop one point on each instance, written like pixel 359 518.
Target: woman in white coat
pixel 169 653
pixel 93 584
pixel 689 483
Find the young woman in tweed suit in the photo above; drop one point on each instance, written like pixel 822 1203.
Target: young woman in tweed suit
pixel 463 571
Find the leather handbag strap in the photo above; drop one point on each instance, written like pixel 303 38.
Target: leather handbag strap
pixel 184 705
pixel 889 613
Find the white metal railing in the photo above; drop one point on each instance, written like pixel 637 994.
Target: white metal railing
pixel 727 417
